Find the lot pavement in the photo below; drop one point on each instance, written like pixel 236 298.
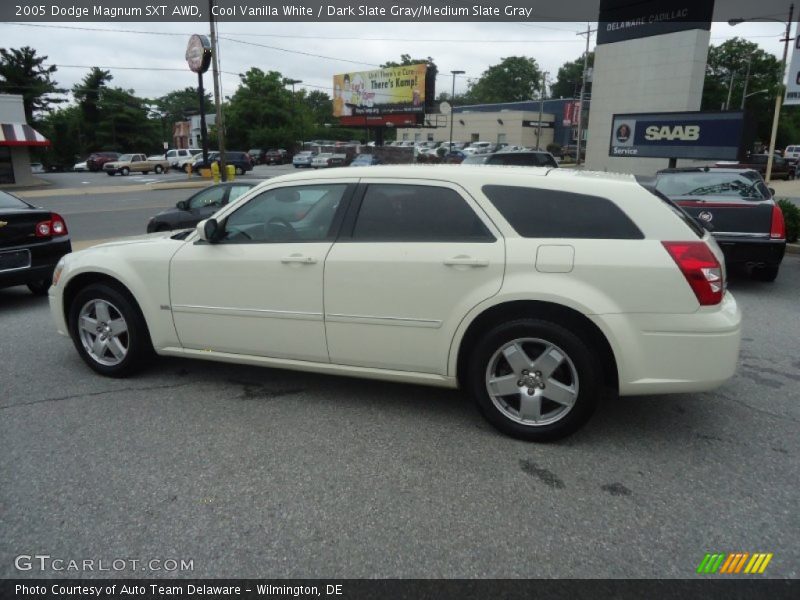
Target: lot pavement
pixel 269 473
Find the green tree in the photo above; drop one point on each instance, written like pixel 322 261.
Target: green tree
pixel 24 73
pixel 87 94
pixel 569 77
pixel 728 61
pixel 64 129
pixel 262 113
pixel 405 60
pixel 320 107
pixel 180 104
pixel 514 79
pixel 126 123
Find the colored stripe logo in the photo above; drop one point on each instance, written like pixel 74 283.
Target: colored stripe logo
pixel 734 563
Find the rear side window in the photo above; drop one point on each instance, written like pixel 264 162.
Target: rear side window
pixel 681 214
pixel 538 213
pixel 417 213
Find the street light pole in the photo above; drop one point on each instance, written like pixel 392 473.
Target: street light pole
pixel 292 83
pixel 730 90
pixel 746 79
pixel 215 72
pixel 779 95
pixel 588 34
pixel 452 114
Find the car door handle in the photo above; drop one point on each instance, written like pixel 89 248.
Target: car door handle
pixel 466 261
pixel 298 258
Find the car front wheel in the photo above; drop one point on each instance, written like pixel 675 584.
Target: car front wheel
pixel 534 379
pixel 125 171
pixel 109 331
pixel 159 169
pixel 239 171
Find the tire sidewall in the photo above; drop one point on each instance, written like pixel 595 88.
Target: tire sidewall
pixel 139 345
pixel 590 380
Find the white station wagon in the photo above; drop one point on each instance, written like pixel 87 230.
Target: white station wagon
pixel 533 289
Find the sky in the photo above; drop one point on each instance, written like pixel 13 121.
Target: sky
pixel 315 51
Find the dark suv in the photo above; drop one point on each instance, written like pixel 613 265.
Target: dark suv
pixel 96 160
pixel 276 156
pixel 240 160
pixel 533 158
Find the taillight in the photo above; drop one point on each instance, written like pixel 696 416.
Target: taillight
pixel 700 268
pixel 777 230
pixel 54 227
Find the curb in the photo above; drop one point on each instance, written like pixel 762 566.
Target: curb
pixel 122 189
pixel 792 248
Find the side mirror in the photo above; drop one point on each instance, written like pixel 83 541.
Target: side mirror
pixel 209 230
pixel 771 191
pixel 182 205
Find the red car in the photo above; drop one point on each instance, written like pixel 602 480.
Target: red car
pixel 96 160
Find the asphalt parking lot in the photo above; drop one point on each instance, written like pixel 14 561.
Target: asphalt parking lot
pixel 265 473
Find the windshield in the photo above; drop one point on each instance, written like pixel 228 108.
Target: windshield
pixel 711 185
pixel 475 160
pixel 125 157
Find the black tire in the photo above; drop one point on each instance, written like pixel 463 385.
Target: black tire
pixel 185 168
pixel 766 273
pixel 125 171
pixel 111 173
pixel 145 172
pixel 39 287
pixel 139 346
pixel 159 169
pixel 582 367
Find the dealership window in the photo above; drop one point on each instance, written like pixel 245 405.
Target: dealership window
pixel 474 137
pixel 6 168
pixel 430 137
pixel 417 137
pixel 405 137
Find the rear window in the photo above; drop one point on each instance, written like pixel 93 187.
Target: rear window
pixel 523 159
pixel 712 185
pixel 9 201
pixel 538 213
pixel 679 212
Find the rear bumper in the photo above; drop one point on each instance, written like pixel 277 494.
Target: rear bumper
pixel 740 251
pixel 671 353
pixel 44 258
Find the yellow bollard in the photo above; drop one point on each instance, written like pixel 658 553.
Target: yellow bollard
pixel 189 170
pixel 215 171
pixel 231 171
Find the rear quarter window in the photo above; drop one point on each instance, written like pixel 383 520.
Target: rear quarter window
pixel 540 213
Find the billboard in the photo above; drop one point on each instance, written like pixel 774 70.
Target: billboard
pixel 622 20
pixel 793 80
pixel 704 135
pixel 391 90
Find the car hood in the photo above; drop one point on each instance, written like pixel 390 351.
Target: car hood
pixel 147 238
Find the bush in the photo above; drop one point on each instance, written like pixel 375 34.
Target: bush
pixel 791 215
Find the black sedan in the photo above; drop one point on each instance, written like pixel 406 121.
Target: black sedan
pixel 32 240
pixel 203 204
pixel 738 208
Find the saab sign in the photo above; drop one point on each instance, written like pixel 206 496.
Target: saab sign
pixel 703 135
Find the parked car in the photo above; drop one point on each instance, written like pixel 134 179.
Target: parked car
pixel 256 155
pixel 199 206
pixel 738 209
pixel 781 169
pixel 303 159
pixel 327 159
pixel 530 158
pixel 32 240
pixel 37 167
pixel 571 151
pixel 276 156
pixel 180 158
pixel 455 157
pixel 136 163
pixel 80 166
pixel 792 153
pixel 480 147
pixel 96 160
pixel 365 160
pixel 536 318
pixel 240 161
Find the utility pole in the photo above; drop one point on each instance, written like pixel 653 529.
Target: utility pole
pixel 746 79
pixel 588 33
pixel 730 90
pixel 779 95
pixel 452 112
pixel 541 108
pixel 217 100
pixel 292 83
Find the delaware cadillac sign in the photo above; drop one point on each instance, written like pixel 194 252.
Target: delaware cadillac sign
pixel 705 135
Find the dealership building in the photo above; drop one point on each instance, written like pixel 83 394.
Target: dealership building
pixel 514 123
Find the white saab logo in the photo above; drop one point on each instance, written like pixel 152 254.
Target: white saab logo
pixel 686 133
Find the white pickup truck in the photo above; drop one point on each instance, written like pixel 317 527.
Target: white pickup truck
pixel 135 163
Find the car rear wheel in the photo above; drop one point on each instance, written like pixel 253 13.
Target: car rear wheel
pixel 766 273
pixel 534 379
pixel 110 173
pixel 159 169
pixel 108 330
pixel 125 171
pixel 39 287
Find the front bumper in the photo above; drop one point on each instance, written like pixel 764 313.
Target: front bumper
pixel 675 353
